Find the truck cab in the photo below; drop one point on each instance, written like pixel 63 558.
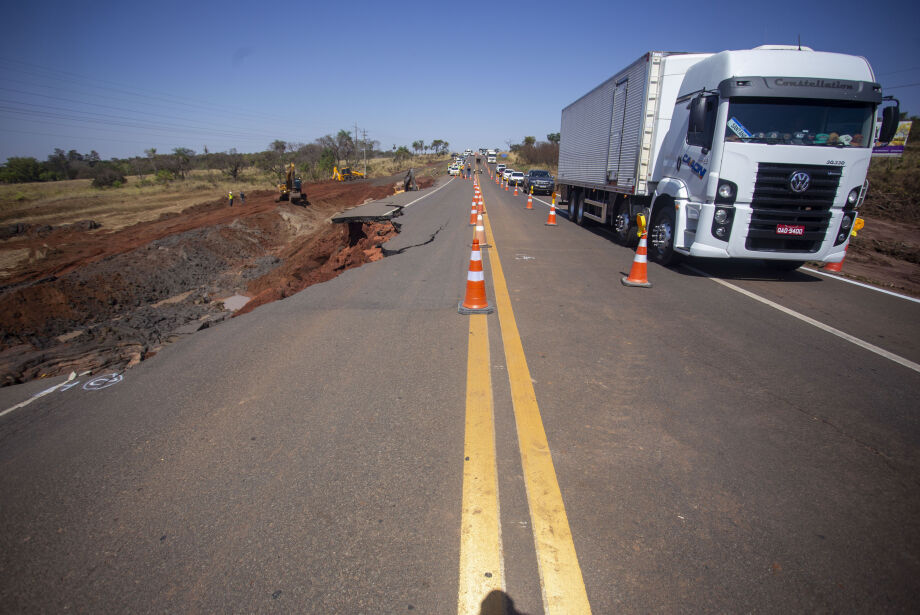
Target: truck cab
pixel 760 165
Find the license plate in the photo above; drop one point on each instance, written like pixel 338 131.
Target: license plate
pixel 790 229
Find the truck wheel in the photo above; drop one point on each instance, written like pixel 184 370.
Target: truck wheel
pixel 661 235
pixel 625 225
pixel 577 208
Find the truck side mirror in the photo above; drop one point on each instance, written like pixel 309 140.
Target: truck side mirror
pixel 891 116
pixel 701 128
pixel 697 115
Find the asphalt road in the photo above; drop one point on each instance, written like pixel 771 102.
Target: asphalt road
pixel 709 452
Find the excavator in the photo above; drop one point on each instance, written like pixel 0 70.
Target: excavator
pixel 346 174
pixel 292 188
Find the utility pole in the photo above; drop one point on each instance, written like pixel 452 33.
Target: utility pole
pixel 356 142
pixel 364 131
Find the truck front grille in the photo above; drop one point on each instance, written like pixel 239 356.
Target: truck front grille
pixel 775 203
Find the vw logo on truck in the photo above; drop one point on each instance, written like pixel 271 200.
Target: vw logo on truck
pixel 798 181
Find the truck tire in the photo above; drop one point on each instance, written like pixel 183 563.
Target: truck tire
pixel 661 234
pixel 577 207
pixel 624 225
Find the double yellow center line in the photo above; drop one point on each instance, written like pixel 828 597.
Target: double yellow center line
pixel 481 567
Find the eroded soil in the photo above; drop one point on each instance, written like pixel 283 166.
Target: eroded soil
pixel 80 297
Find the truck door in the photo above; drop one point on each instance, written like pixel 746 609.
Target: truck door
pixel 694 159
pixel 617 121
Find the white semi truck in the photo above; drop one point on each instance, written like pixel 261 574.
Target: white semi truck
pixel 760 153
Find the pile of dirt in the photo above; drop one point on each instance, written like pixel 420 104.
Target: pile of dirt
pixel 78 297
pixel 887 251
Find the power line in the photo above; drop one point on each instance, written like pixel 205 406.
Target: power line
pixel 146 95
pixel 30 107
pixel 906 85
pixel 903 70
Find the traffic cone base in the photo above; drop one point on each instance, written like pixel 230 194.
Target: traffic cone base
pixel 475 301
pixel 638 275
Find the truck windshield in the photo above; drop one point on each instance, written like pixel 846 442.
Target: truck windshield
pixel 825 123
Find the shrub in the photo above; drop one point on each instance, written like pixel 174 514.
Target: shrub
pixel 108 177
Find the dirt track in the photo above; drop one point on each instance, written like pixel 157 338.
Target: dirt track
pixel 87 298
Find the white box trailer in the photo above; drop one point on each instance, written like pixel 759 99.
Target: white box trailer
pixel 758 153
pixel 610 136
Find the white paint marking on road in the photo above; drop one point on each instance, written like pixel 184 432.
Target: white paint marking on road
pixel 869 286
pixel 845 336
pixel 37 395
pixel 429 194
pixel 103 382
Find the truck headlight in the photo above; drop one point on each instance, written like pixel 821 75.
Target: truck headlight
pixel 722 220
pixel 847 222
pixel 853 197
pixel 726 192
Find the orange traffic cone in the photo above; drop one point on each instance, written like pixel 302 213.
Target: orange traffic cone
pixel 475 300
pixel 482 205
pixel 551 219
pixel 529 202
pixel 473 213
pixel 836 267
pixel 515 189
pixel 480 233
pixel 638 275
pixel 506 185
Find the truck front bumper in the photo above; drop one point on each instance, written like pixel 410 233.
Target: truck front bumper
pixel 705 245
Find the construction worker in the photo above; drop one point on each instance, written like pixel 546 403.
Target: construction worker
pixel 242 198
pixel 230 197
pixel 469 171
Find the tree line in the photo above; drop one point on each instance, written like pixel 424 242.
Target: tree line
pixel 538 153
pixel 313 160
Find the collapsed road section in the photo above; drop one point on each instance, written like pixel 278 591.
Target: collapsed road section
pixel 87 298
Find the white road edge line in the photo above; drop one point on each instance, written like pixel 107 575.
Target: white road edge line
pixel 869 286
pixel 429 194
pixel 37 395
pixel 845 336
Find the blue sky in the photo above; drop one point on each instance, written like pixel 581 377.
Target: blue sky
pixel 121 77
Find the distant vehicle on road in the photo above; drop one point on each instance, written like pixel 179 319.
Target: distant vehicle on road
pixel 490 158
pixel 453 170
pixel 516 178
pixel 540 181
pixel 500 169
pixel 506 174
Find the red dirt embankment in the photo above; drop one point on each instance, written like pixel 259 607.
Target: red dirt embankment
pixel 86 298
